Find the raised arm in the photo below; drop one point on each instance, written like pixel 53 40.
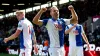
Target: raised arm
pixel 74 15
pixel 36 19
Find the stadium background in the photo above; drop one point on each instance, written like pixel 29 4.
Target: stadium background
pixel 88 12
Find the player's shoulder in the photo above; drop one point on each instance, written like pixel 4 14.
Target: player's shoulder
pixel 46 19
pixel 61 19
pixel 19 22
pixel 79 24
pixel 65 19
pixel 22 21
pixel 70 25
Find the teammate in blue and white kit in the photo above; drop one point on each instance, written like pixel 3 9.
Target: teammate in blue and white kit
pixel 56 28
pixel 76 33
pixel 26 32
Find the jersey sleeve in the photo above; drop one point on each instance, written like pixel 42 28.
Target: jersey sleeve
pixel 67 21
pixel 20 26
pixel 45 21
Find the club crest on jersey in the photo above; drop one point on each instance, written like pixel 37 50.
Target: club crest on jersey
pixel 76 32
pixel 58 26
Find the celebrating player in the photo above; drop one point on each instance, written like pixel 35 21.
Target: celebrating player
pixel 76 33
pixel 55 27
pixel 26 32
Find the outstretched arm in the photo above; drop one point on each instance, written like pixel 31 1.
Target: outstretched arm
pixel 36 19
pixel 85 38
pixel 13 36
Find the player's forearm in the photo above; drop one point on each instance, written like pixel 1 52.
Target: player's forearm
pixel 85 38
pixel 37 17
pixel 12 37
pixel 67 31
pixel 74 15
pixel 34 40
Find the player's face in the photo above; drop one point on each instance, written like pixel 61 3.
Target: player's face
pixel 54 12
pixel 19 16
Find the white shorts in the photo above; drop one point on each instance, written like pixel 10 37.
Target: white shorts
pixel 75 51
pixel 57 51
pixel 25 52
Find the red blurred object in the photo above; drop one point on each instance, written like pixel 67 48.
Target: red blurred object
pixel 86 53
pixel 66 50
pixel 90 53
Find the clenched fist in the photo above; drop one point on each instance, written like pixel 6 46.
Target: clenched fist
pixel 70 7
pixel 35 49
pixel 6 40
pixel 43 10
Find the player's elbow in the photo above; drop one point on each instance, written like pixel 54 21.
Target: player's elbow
pixel 15 35
pixel 34 21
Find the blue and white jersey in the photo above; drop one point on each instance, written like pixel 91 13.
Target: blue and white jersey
pixel 75 35
pixel 56 30
pixel 27 31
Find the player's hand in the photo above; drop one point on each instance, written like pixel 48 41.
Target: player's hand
pixel 43 10
pixel 70 7
pixel 88 46
pixel 6 40
pixel 35 49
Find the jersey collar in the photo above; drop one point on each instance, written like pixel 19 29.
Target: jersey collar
pixel 55 19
